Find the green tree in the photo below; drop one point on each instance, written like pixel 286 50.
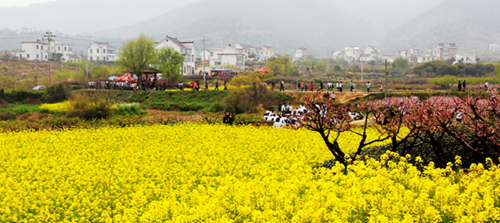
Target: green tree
pixel 101 72
pixel 497 68
pixel 251 95
pixel 400 63
pixel 136 55
pixel 280 65
pixel 445 69
pixel 341 62
pixel 169 62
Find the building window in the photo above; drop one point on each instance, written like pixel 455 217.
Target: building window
pixel 65 48
pixel 103 50
pixel 41 47
pixel 90 51
pixel 37 47
pixel 91 58
pixel 27 56
pixel 97 50
pixel 58 48
pixel 37 56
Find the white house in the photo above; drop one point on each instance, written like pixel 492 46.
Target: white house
pixel 204 55
pixel 100 51
pixel 389 58
pixel 264 53
pixel 446 51
pixel 465 58
pixel 337 54
pixel 187 49
pixel 39 50
pixel 246 49
pixel 352 53
pixel 372 53
pixel 214 57
pixel 231 56
pixel 300 54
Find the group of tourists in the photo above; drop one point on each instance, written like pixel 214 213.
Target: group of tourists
pixel 195 85
pixel 228 118
pixel 302 86
pixel 282 85
pixel 279 120
pixel 462 85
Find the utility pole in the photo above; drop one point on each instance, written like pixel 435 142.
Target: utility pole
pixel 204 65
pixel 49 36
pixel 386 74
pixel 362 64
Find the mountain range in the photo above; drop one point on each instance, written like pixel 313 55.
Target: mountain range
pixel 319 25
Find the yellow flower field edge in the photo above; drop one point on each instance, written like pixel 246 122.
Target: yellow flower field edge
pixel 216 173
pixel 65 106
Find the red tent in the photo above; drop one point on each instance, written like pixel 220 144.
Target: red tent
pixel 263 70
pixel 124 78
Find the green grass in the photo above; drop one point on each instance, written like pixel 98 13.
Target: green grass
pixel 21 109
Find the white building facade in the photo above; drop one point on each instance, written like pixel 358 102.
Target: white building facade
pixel 187 49
pixel 231 56
pixel 40 50
pixel 300 54
pixel 100 51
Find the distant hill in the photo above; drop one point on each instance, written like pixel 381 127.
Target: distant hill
pixel 283 24
pixel 472 25
pixel 84 16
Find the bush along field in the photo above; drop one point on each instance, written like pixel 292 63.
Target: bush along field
pixel 203 173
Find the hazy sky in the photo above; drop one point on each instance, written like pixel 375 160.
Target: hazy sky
pixel 20 3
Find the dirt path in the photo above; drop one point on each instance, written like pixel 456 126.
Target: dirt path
pixel 341 97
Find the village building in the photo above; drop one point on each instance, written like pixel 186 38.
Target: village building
pixel 100 51
pixel 465 58
pixel 389 58
pixel 42 51
pixel 264 53
pixel 300 54
pixel 352 53
pixel 187 49
pixel 231 56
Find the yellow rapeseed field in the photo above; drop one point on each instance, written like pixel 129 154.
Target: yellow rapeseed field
pixel 216 173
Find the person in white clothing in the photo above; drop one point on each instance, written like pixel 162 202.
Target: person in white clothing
pixel 278 123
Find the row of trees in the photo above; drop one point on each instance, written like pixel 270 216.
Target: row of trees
pixel 137 55
pixel 438 128
pixel 282 65
pixel 441 68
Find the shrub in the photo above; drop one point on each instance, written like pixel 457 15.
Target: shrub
pixel 56 93
pixel 130 110
pixel 91 106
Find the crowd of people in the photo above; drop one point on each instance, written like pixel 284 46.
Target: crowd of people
pixel 339 85
pixel 146 83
